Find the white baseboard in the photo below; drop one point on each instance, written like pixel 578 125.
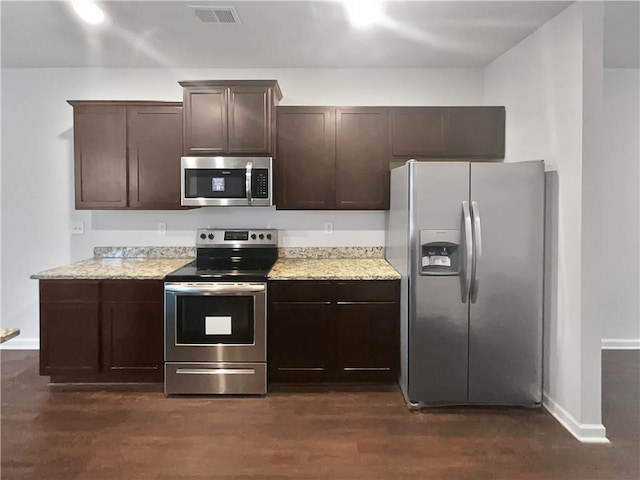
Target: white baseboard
pixel 584 432
pixel 621 344
pixel 18 343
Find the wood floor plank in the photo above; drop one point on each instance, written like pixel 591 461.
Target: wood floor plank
pixel 96 433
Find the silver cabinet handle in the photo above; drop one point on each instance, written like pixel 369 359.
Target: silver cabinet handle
pixel 477 251
pixel 468 251
pixel 248 182
pixel 215 371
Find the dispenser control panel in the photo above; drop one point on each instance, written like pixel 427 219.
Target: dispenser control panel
pixel 439 252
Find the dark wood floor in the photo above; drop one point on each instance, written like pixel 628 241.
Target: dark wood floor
pixel 51 433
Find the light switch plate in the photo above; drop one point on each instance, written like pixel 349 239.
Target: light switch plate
pixel 328 228
pixel 162 228
pixel 77 228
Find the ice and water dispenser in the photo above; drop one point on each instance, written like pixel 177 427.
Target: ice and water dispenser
pixel 440 252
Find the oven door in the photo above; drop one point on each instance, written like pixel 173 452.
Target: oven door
pixel 215 322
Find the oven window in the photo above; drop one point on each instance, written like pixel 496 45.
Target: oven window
pixel 214 320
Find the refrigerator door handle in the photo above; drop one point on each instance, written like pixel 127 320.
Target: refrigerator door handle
pixel 477 252
pixel 468 252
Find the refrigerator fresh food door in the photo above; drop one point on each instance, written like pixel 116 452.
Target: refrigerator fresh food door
pixel 438 317
pixel 505 321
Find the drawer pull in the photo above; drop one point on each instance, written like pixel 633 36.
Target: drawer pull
pixel 302 369
pixel 366 369
pixel 215 371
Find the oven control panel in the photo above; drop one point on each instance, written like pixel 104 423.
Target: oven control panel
pixel 218 237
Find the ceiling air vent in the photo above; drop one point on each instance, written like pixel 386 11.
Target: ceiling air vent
pixel 217 14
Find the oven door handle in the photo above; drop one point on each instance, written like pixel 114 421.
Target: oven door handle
pixel 221 288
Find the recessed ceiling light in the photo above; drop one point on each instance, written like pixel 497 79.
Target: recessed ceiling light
pixel 88 11
pixel 363 13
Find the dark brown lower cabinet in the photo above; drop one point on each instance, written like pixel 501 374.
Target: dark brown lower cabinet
pixel 333 331
pixel 102 331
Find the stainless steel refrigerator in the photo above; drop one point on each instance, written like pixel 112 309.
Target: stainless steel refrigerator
pixel 468 241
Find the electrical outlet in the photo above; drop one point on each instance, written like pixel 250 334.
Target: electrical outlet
pixel 328 228
pixel 77 228
pixel 162 228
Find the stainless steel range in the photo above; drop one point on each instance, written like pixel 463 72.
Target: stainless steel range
pixel 215 314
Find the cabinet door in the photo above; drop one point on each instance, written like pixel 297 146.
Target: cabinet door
pixel 133 329
pixel 250 120
pixel 305 163
pixel 205 120
pixel 418 132
pixel 476 132
pixel 362 158
pixel 155 148
pixel 300 331
pixel 100 151
pixel 299 337
pixel 368 331
pixel 69 327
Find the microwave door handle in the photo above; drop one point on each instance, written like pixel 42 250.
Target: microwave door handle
pixel 248 182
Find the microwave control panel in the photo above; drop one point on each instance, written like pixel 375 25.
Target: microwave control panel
pixel 260 183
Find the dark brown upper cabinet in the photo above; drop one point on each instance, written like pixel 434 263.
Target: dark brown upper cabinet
pixel 362 158
pixel 332 158
pixel 127 154
pixel 229 117
pixel 305 162
pixel 475 133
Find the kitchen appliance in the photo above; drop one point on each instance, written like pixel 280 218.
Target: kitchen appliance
pixel 468 241
pixel 215 314
pixel 226 181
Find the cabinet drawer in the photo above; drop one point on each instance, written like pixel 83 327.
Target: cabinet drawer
pixel 204 378
pixel 300 291
pixel 133 291
pixel 368 291
pixel 69 290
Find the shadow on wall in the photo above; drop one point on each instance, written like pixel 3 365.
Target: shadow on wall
pixel 550 273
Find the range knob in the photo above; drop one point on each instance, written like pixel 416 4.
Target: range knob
pixel 261 236
pixel 211 236
pixel 203 236
pixel 268 236
pixel 253 236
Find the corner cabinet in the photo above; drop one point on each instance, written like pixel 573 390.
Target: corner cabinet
pixel 472 133
pixel 102 330
pixel 333 331
pixel 127 154
pixel 231 117
pixel 332 158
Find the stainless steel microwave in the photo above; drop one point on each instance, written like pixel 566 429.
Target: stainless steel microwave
pixel 226 181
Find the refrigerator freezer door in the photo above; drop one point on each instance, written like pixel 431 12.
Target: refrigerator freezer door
pixel 505 322
pixel 438 319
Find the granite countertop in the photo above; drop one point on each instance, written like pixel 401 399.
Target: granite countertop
pixel 8 333
pixel 299 263
pixel 333 269
pixel 115 268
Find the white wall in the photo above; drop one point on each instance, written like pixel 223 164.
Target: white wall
pixel 618 210
pixel 37 163
pixel 541 83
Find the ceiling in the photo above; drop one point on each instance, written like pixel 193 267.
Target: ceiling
pixel 277 34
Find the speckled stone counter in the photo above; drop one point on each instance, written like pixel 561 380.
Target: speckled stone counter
pixel 115 268
pixel 144 252
pixel 331 252
pixel 8 333
pixel 333 269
